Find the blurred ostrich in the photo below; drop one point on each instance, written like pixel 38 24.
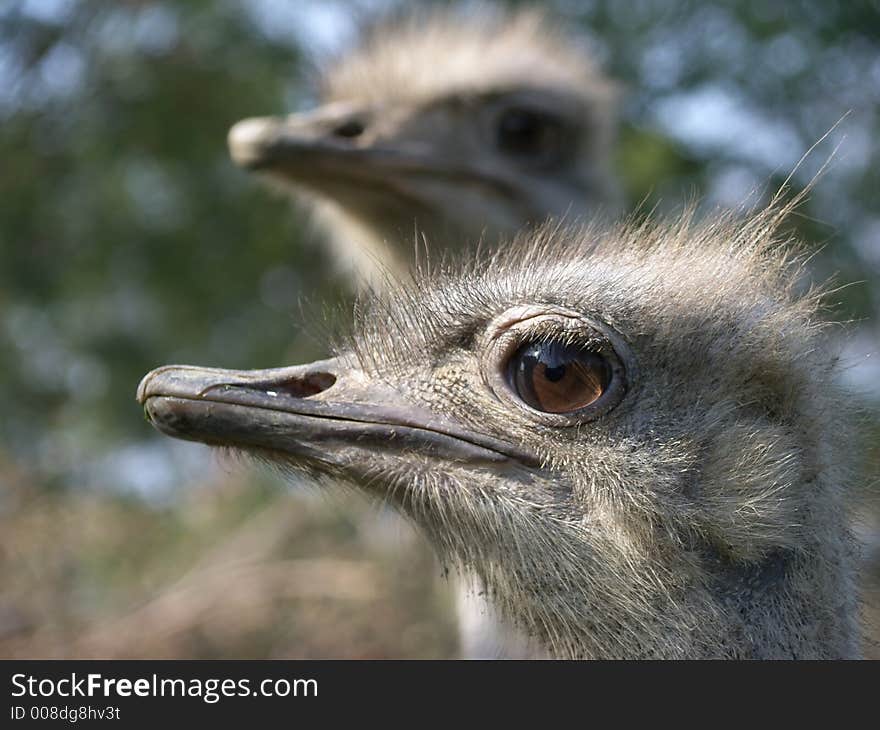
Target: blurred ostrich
pixel 634 438
pixel 460 125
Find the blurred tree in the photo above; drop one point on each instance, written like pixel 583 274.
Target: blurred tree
pixel 128 239
pixel 723 98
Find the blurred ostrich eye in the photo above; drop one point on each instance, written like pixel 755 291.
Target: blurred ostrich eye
pixel 525 133
pixel 556 378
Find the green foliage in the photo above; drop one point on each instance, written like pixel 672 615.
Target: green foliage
pixel 129 239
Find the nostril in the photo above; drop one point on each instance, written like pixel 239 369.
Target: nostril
pixel 303 386
pixel 350 128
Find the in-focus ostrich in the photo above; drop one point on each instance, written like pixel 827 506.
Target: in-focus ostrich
pixel 458 125
pixel 634 438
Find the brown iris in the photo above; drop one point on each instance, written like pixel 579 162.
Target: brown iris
pixel 557 378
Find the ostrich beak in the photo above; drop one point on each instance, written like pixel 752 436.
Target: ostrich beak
pixel 311 413
pixel 325 148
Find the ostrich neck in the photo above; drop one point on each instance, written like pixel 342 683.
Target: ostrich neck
pixel 363 254
pixel 792 604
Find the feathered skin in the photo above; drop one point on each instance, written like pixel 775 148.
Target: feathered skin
pixel 701 512
pixel 427 54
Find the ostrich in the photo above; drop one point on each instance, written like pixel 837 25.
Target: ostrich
pixel 461 125
pixel 632 436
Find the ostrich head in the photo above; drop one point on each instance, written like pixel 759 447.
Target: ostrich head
pixel 459 124
pixel 633 437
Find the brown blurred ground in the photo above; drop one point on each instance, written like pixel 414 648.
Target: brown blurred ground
pixel 234 570
pixel 240 567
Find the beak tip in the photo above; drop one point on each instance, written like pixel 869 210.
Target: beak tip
pixel 249 139
pixel 141 395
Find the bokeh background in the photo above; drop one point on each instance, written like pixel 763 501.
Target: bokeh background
pixel 129 240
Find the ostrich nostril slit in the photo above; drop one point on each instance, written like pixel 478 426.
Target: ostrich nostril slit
pixel 300 387
pixel 351 128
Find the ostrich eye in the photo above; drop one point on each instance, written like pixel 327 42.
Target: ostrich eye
pixel 556 378
pixel 525 133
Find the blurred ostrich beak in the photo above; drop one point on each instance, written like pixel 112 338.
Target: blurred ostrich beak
pixel 330 151
pixel 325 145
pixel 315 414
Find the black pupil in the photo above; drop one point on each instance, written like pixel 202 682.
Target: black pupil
pixel 554 374
pixel 521 132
